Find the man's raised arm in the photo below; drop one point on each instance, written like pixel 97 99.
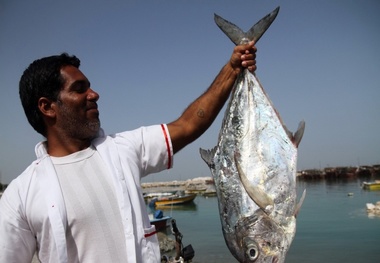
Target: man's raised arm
pixel 200 114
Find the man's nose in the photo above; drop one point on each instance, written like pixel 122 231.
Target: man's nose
pixel 92 95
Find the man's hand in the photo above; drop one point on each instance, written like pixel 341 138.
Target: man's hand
pixel 244 57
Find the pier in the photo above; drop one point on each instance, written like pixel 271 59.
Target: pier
pixel 341 172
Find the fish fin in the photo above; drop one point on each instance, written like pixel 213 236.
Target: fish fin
pixel 237 36
pixel 297 136
pixel 298 206
pixel 299 133
pixel 207 156
pixel 262 199
pixel 289 133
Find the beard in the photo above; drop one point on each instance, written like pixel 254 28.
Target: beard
pixel 77 126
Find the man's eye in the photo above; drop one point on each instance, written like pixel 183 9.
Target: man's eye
pixel 80 88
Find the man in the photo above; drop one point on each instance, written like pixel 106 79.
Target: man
pixel 81 201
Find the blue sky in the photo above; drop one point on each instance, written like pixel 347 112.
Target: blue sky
pixel 148 60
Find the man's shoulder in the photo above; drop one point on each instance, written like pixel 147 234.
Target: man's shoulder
pixel 18 186
pixel 26 175
pixel 129 134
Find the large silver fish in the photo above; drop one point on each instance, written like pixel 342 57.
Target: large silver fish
pixel 254 166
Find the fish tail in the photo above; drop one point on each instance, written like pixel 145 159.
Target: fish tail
pixel 238 36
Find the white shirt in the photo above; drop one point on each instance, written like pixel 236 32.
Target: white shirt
pixel 32 210
pixel 93 217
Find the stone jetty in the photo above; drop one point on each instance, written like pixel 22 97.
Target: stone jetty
pixel 200 185
pixel 179 185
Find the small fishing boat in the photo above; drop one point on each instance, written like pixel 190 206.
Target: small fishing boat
pixel 371 185
pixel 177 199
pixel 160 221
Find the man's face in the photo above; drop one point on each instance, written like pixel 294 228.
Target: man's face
pixel 77 110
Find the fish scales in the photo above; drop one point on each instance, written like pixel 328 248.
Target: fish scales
pixel 254 170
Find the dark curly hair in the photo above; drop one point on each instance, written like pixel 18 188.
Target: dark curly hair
pixel 43 79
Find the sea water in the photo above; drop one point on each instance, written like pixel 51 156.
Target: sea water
pixel 332 226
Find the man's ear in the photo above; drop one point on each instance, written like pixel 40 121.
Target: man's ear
pixel 47 107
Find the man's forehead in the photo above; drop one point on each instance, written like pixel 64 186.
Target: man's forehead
pixel 72 74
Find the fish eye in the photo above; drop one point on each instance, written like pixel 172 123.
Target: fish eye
pixel 252 253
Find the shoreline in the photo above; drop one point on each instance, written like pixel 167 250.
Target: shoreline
pixel 179 185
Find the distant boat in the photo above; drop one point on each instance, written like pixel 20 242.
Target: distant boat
pixel 179 198
pixel 371 185
pixel 209 192
pixel 149 196
pixel 195 189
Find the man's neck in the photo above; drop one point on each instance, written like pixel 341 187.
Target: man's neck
pixel 63 147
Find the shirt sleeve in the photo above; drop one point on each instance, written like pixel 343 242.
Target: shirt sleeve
pixel 17 242
pixel 148 149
